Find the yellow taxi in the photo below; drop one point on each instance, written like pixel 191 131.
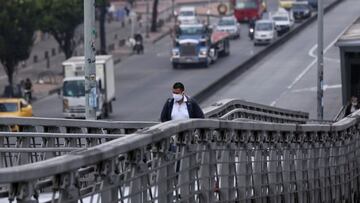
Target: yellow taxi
pixel 15 107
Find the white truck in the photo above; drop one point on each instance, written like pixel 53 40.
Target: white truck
pixel 73 88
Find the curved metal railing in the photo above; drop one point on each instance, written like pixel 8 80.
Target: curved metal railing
pixel 203 161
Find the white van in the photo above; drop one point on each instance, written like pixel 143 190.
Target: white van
pixel 283 20
pixel 265 32
pixel 187 15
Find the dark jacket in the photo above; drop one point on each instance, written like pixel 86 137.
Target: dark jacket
pixel 348 109
pixel 193 109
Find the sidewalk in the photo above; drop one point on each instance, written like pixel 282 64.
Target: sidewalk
pixel 46 80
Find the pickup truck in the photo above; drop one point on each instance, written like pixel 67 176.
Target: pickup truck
pixel 73 88
pixel 198 44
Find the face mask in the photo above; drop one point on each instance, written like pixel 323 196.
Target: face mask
pixel 177 97
pixel 354 103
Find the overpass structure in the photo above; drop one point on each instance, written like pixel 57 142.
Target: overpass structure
pixel 242 152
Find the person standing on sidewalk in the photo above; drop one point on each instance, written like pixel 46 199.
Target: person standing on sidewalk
pixel 28 89
pixel 180 106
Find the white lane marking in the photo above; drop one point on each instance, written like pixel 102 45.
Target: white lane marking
pixel 311 53
pixel 314 89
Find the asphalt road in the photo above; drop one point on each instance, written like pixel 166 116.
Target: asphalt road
pixel 287 78
pixel 144 82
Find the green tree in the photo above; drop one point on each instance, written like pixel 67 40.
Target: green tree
pixel 61 18
pixel 18 24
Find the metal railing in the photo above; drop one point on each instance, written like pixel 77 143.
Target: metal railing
pixel 222 109
pixel 202 161
pixel 39 139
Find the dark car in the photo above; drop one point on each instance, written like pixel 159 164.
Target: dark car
pixel 301 11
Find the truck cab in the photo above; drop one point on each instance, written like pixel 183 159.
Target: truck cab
pixel 73 87
pixel 198 44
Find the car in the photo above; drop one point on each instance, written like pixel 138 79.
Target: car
pixel 15 107
pixel 265 32
pixel 230 25
pixel 301 10
pixel 187 15
pixel 283 21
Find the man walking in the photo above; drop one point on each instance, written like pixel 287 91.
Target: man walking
pixel 180 106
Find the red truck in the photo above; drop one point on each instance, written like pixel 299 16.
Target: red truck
pixel 245 10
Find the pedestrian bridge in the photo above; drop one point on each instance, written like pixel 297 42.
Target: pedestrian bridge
pixel 242 152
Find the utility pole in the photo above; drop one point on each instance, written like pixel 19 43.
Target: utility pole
pixel 320 61
pixel 147 18
pixel 90 49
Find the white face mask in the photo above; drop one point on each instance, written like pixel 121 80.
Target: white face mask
pixel 177 97
pixel 354 103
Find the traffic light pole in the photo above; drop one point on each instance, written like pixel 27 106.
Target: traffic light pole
pixel 90 52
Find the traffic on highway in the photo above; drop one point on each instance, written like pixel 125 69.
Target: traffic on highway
pixel 206 43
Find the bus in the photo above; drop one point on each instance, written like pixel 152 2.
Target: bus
pixel 245 10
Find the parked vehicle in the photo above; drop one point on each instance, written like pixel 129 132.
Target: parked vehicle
pixel 73 88
pixel 15 107
pixel 230 25
pixel 265 32
pixel 187 14
pixel 301 11
pixel 245 10
pixel 197 44
pixel 283 21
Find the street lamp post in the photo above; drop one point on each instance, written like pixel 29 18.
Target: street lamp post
pixel 90 49
pixel 320 62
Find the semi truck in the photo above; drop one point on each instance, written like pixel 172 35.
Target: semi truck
pixel 198 44
pixel 73 86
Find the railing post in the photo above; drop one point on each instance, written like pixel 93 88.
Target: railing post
pixel 165 190
pixel 324 170
pixel 335 169
pixel 274 169
pixel 22 192
pixel 226 171
pixel 69 188
pixel 137 190
pixel 186 185
pixel 288 168
pixel 300 167
pixel 106 171
pixel 206 167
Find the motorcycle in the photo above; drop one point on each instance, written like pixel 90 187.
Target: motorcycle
pixel 27 95
pixel 251 33
pixel 138 47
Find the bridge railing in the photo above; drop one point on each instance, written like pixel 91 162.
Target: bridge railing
pixel 235 108
pixel 203 161
pixel 40 139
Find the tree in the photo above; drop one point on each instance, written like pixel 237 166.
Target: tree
pixel 154 16
pixel 61 19
pixel 102 6
pixel 18 24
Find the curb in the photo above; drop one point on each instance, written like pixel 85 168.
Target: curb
pixel 166 33
pixel 238 70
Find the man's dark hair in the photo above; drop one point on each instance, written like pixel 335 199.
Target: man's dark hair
pixel 179 85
